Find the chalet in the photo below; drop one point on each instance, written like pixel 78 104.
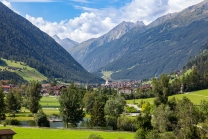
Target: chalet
pixel 6 88
pixel 7 134
pixel 125 90
pixel 45 86
pixel 57 89
pixel 146 86
pixel 14 68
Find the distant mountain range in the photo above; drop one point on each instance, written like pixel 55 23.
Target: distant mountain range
pixel 136 51
pixel 66 43
pixel 82 52
pixel 20 40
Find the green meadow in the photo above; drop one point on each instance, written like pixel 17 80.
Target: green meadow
pixel 195 97
pixel 45 133
pixel 27 73
pixel 49 102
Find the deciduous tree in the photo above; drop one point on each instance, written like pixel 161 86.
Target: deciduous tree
pixel 33 96
pixel 113 108
pixel 161 89
pixel 2 105
pixel 13 101
pixel 88 100
pixel 70 106
pixel 97 113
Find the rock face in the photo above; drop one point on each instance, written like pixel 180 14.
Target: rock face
pixel 22 41
pixel 66 43
pixel 84 52
pixel 143 51
pixel 164 46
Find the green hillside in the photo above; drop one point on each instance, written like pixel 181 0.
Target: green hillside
pixel 20 40
pixel 195 97
pixel 26 72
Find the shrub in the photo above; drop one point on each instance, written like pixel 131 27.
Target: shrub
pixel 140 134
pixel 13 122
pixel 41 119
pixel 94 136
pixel 30 115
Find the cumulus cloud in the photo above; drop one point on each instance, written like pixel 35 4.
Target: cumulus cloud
pixel 96 22
pixel 87 26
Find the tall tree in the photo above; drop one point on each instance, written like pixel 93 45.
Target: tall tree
pixel 13 101
pixel 160 118
pixel 113 108
pixel 88 101
pixel 71 106
pixel 187 117
pixel 161 89
pixel 97 113
pixel 2 105
pixel 33 96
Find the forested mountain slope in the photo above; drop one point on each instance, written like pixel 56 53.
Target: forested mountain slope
pixel 162 47
pixel 200 61
pixel 22 41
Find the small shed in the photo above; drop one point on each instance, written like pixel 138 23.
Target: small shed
pixel 6 134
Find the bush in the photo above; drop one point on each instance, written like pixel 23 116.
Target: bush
pixel 153 135
pixel 168 135
pixel 41 119
pixel 4 124
pixel 13 122
pixel 140 134
pixel 94 136
pixel 30 115
pixel 126 123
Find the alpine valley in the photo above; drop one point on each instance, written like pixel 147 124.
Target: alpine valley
pixel 21 41
pixel 138 51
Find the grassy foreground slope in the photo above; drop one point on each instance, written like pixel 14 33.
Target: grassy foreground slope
pixel 195 97
pixel 27 73
pixel 41 133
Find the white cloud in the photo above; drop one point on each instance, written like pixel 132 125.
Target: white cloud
pixel 142 10
pixel 178 5
pixel 8 4
pixel 87 26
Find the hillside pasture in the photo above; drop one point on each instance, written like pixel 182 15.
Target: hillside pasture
pixel 27 73
pixel 45 133
pixel 195 97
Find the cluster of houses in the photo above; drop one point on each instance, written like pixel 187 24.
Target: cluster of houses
pixel 47 89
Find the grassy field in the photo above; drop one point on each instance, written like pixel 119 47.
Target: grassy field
pixel 49 102
pixel 27 73
pixel 41 133
pixel 106 74
pixel 195 97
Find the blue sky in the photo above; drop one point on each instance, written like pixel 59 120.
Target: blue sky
pixel 81 20
pixel 55 11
